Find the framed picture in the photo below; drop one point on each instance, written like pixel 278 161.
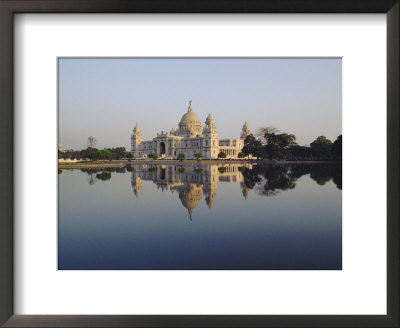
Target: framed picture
pixel 200 177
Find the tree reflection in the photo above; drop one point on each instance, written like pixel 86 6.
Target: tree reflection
pixel 250 177
pixel 321 174
pixel 337 176
pixel 103 174
pixel 92 179
pixel 269 180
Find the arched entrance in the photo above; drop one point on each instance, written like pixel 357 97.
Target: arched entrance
pixel 162 148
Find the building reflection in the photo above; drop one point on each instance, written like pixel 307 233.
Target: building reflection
pixel 194 182
pixel 190 182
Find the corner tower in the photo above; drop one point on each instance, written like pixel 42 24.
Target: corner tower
pixel 210 138
pixel 136 140
pixel 245 131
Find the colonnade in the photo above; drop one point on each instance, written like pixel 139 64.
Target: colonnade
pixel 229 152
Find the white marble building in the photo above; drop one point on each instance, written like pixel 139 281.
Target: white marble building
pixel 190 137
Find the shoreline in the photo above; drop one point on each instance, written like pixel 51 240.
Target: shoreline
pixel 185 163
pixel 86 165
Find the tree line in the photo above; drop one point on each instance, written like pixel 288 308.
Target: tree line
pixel 271 144
pixel 96 154
pixel 92 153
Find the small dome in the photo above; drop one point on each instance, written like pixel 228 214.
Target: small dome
pixel 209 119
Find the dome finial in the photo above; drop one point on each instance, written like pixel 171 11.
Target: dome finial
pixel 190 106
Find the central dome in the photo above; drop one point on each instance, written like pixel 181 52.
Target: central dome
pixel 190 125
pixel 190 118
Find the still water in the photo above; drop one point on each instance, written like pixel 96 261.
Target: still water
pixel 201 217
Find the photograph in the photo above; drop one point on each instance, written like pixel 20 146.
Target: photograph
pixel 203 163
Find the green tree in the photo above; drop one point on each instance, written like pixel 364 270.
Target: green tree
pixel 221 155
pixel 119 152
pixel 92 153
pixel 181 156
pixel 153 155
pixel 74 154
pixel 241 155
pixel 300 152
pixel 105 154
pixel 198 155
pixel 252 146
pixel 129 155
pixel 337 148
pixel 276 144
pixel 321 148
pixel 84 153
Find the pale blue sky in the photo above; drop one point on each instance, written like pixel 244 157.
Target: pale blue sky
pixel 105 98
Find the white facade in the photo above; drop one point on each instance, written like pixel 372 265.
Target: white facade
pixel 190 138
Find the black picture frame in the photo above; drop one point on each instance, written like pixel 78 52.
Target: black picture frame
pixel 10 7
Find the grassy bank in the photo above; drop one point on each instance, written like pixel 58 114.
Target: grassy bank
pixel 84 164
pixel 103 164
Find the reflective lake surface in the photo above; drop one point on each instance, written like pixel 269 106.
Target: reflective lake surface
pixel 201 217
